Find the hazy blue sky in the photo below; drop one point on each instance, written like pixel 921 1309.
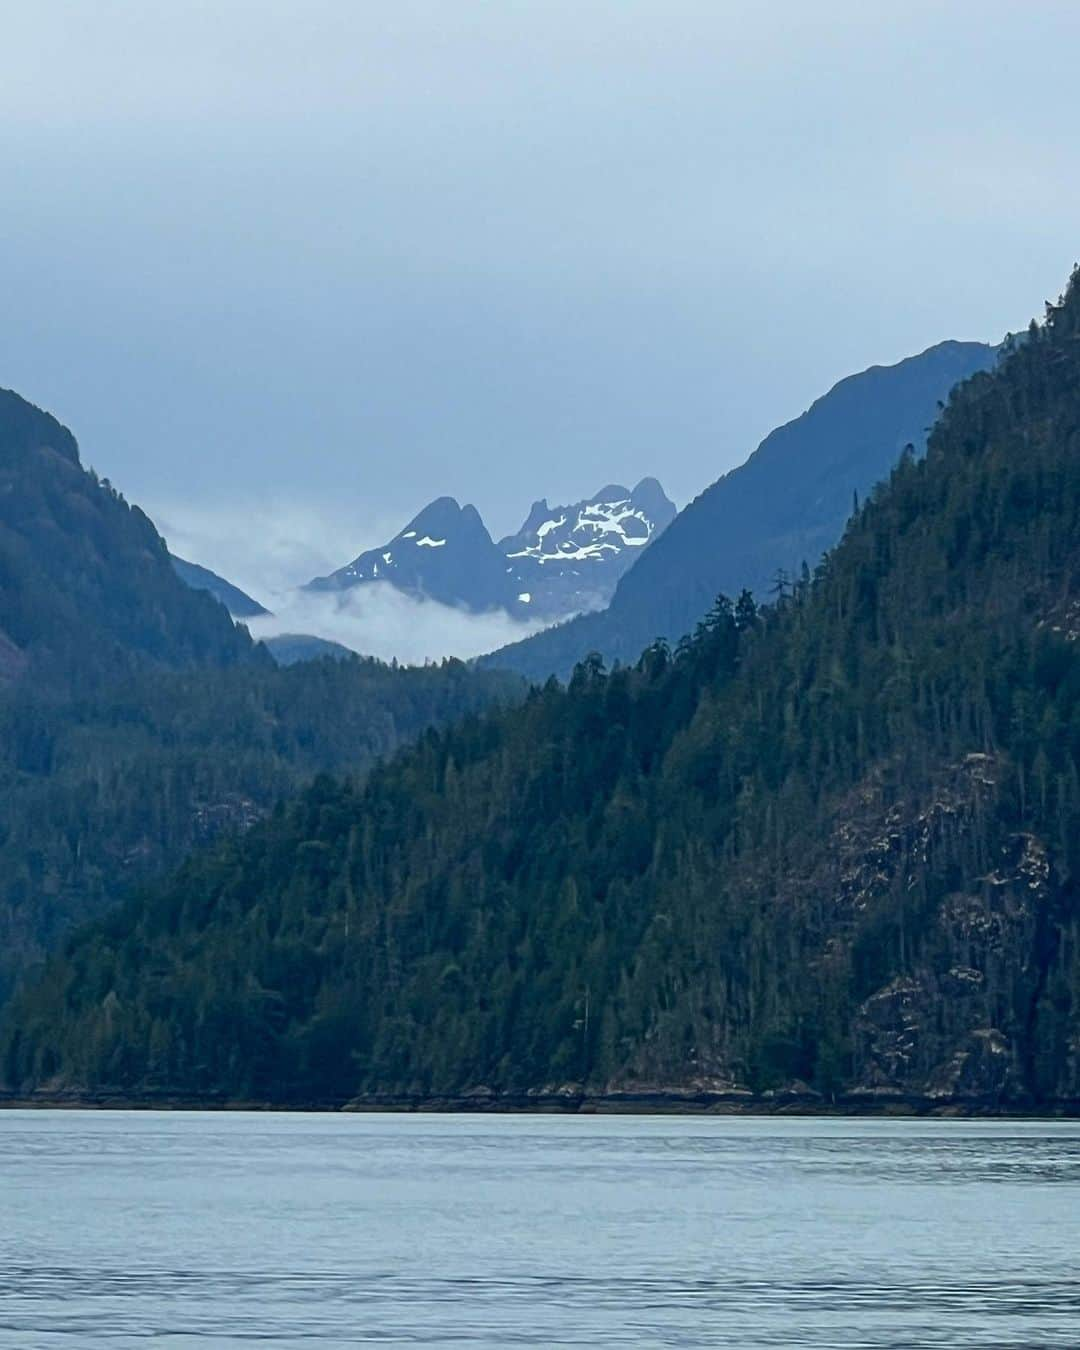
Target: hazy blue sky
pixel 291 269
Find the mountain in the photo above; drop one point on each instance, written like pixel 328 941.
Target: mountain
pixel 568 559
pixel 86 583
pixel 828 851
pixel 445 554
pixel 239 605
pixel 786 506
pixel 563 559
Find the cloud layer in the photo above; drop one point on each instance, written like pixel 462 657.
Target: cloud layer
pixel 377 620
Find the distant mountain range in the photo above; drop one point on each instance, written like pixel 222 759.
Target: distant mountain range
pixel 786 506
pixel 562 561
pixel 614 571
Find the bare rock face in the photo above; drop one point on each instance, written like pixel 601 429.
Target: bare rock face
pixel 983 1066
pixel 980 947
pixel 953 1023
pixel 888 1035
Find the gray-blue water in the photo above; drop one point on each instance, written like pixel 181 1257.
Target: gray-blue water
pixel 197 1231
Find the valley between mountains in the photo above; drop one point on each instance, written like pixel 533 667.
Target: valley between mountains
pixel 786 816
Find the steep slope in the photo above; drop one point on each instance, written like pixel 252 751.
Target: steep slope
pixel 86 584
pixel 829 848
pixel 568 559
pixel 784 507
pixel 239 604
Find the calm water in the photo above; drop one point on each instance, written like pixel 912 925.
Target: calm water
pixel 194 1231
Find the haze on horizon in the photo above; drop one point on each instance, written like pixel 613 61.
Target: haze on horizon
pixel 290 271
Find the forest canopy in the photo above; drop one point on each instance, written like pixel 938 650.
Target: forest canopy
pixel 826 848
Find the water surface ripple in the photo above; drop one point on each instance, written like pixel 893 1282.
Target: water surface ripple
pixel 124 1229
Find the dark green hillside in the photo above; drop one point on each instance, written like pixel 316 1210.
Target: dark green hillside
pixel 86 584
pixel 136 720
pixel 831 847
pixel 107 787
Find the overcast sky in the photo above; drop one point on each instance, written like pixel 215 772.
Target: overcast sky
pixel 289 270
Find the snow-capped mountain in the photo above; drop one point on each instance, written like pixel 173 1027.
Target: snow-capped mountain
pixel 563 560
pixel 445 553
pixel 567 559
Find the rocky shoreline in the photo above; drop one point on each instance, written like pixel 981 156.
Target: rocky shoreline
pixel 568 1102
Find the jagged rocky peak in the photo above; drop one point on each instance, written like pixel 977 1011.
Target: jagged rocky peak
pixel 441 522
pixel 607 522
pixel 651 498
pixel 568 558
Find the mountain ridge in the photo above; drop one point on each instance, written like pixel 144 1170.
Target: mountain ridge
pixel 783 507
pixel 199 578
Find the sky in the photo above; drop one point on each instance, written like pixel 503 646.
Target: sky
pixel 291 270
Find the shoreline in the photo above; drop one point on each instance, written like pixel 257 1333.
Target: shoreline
pixel 853 1106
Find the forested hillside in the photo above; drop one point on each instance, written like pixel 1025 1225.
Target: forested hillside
pixel 87 588
pixel 136 720
pixel 826 848
pixel 108 787
pixel 781 510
